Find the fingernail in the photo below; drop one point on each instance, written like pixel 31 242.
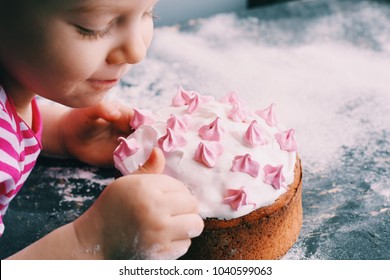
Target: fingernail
pixel 194 233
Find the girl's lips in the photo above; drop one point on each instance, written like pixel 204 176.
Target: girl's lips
pixel 103 84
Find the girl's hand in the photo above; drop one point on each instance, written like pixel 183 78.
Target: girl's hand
pixel 145 215
pixel 90 134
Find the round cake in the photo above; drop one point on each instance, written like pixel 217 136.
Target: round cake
pixel 241 164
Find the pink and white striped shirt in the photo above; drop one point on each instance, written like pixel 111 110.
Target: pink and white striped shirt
pixel 19 149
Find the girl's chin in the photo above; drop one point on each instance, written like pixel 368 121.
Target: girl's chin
pixel 84 102
pixel 82 96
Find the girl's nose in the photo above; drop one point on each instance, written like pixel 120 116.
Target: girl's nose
pixel 131 50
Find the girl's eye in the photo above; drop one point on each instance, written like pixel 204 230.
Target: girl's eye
pixel 93 34
pixel 150 14
pixel 96 34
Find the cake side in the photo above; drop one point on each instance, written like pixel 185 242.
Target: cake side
pixel 267 233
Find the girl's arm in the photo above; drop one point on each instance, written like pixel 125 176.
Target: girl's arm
pixel 61 243
pixel 52 141
pixel 144 215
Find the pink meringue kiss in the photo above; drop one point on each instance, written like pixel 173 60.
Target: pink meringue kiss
pixel 253 135
pixel 181 98
pixel 247 165
pixel 194 104
pixel 178 124
pixel 141 117
pixel 196 101
pixel 236 198
pixel 237 114
pixel 213 131
pixel 208 154
pixel 286 140
pixel 274 176
pixel 126 148
pixel 171 141
pixel 233 98
pixel 268 115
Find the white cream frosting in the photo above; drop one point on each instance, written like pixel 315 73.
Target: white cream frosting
pixel 212 185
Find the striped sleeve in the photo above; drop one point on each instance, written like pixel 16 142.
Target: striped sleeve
pixel 19 149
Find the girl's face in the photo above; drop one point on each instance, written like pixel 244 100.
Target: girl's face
pixel 71 51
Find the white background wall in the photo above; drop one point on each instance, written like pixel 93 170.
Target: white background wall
pixel 173 11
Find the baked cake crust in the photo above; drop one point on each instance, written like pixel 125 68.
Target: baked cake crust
pixel 266 233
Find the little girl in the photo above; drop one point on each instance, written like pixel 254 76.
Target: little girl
pixel 72 52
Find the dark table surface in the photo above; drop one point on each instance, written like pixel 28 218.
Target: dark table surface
pixel 324 63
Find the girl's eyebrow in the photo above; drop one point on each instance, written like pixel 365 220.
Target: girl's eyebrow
pixel 90 9
pixel 98 9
